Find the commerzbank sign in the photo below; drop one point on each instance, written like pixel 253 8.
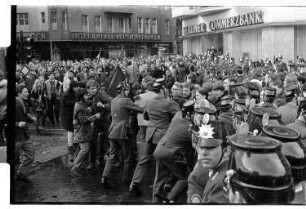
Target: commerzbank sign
pixel 251 18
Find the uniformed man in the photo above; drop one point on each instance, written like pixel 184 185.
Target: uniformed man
pixel 212 162
pixel 268 98
pixel 119 135
pixel 160 112
pixel 175 146
pixel 250 181
pixel 289 110
pixel 300 123
pixel 226 114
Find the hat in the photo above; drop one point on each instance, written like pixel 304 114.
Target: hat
pixel 226 101
pixel 260 183
pixel 290 91
pixel 211 133
pixel 291 80
pixel 188 107
pixel 252 86
pixel 270 92
pixel 205 110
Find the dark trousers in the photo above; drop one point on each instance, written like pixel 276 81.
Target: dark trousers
pixel 53 109
pixel 99 142
pixel 116 145
pixel 24 153
pixel 143 164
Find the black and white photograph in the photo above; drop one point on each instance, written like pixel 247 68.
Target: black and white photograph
pixel 194 104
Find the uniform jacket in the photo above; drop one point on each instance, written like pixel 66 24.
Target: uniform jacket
pixel 177 139
pixel 160 111
pixel 142 101
pixel 300 126
pixel 288 112
pixel 196 183
pixel 21 134
pixel 227 118
pixel 81 122
pixel 120 111
pixel 213 192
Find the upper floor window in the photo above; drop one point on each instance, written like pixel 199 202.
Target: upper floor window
pixel 98 24
pixel 43 17
pixel 84 20
pixel 109 21
pixel 167 27
pixel 121 25
pixel 147 26
pixel 53 20
pixel 140 25
pixel 154 26
pixel 22 19
pixel 84 23
pixel 64 20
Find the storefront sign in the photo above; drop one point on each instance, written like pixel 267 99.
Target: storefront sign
pixel 191 29
pixel 112 36
pixel 35 35
pixel 251 18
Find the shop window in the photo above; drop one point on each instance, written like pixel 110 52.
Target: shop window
pixel 167 27
pixel 154 26
pixel 53 20
pixel 64 21
pixel 147 26
pixel 22 19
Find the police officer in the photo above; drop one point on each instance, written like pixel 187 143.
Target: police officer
pixel 226 114
pixel 300 123
pixel 289 110
pixel 160 112
pixel 268 98
pixel 213 162
pixel 249 180
pixel 175 146
pixel 119 135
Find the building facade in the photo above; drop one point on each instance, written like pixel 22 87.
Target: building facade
pixel 253 32
pixel 73 32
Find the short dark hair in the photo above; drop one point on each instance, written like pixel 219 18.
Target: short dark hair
pixel 80 94
pixel 20 87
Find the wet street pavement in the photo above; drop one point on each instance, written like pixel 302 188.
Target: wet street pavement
pixel 52 182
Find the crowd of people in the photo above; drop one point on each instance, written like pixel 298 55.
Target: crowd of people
pixel 197 116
